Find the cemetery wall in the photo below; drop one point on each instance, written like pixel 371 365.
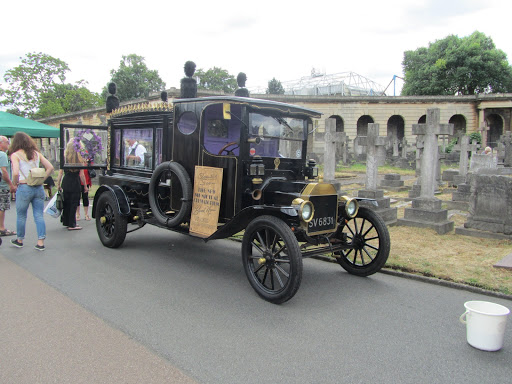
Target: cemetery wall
pixel 351 109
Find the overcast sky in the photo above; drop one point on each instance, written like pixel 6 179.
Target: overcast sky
pixel 265 39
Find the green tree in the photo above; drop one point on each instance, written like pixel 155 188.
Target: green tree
pixel 37 74
pixel 274 87
pixel 65 98
pixel 453 65
pixel 216 79
pixel 133 79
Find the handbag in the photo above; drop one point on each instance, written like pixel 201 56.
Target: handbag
pixel 92 173
pixel 59 201
pixel 36 175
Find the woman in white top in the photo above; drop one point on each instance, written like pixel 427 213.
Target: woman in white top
pixel 24 156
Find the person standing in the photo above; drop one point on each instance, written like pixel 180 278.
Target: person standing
pixel 85 196
pixel 6 186
pixel 69 183
pixel 25 156
pixel 135 153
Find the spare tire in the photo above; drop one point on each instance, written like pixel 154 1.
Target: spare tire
pixel 170 194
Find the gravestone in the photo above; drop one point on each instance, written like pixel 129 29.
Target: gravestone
pixel 416 188
pixel 474 147
pixel 393 182
pixel 464 147
pixel 372 142
pixel 506 140
pixel 460 198
pixel 359 149
pixel 403 161
pixel 395 142
pixel 482 161
pixel 332 138
pixel 490 206
pixel 426 209
pixel 483 129
pixel 449 176
pixel 345 150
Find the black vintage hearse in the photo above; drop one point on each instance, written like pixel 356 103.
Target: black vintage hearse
pixel 239 163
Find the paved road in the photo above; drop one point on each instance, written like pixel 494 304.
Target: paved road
pixel 186 308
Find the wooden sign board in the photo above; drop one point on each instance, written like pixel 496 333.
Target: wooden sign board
pixel 206 201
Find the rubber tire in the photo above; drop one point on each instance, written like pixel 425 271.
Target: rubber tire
pixel 113 232
pixel 293 266
pixel 346 259
pixel 186 187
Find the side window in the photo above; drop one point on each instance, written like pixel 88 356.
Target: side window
pixel 117 146
pixel 138 148
pixel 222 136
pixel 158 146
pixel 187 123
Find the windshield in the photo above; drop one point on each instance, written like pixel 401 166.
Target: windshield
pixel 280 136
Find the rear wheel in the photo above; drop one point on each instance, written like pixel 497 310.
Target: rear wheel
pixel 272 259
pixel 368 237
pixel 110 224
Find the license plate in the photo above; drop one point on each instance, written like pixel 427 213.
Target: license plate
pixel 326 214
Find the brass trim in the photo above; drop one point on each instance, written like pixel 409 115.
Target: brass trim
pixel 316 189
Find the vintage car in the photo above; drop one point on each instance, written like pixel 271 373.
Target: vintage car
pixel 215 167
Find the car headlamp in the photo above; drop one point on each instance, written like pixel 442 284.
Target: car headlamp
pixel 350 205
pixel 305 209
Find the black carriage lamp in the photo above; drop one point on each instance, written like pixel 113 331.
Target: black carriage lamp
pixel 257 168
pixel 241 91
pixel 312 169
pixel 112 100
pixel 189 84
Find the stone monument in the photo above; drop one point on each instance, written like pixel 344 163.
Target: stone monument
pixel 465 148
pixel 490 206
pixel 331 139
pixel 426 209
pixel 373 141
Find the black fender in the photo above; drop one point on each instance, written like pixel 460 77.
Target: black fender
pixel 246 215
pixel 117 192
pixel 367 200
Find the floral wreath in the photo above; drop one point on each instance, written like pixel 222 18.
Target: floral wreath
pixel 87 143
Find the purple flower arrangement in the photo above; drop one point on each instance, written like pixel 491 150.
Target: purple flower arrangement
pixel 87 143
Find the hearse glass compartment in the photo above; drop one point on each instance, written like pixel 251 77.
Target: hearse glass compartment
pixel 137 146
pixel 89 141
pixel 280 136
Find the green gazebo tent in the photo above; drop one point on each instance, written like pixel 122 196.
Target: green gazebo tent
pixel 10 124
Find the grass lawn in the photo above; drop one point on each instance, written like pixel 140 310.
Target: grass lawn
pixel 457 258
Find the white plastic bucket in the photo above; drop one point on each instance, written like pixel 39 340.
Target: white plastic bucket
pixel 485 324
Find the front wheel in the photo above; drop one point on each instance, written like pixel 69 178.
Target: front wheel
pixel 368 237
pixel 110 224
pixel 272 259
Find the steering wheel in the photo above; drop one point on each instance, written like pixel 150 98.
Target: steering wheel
pixel 233 144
